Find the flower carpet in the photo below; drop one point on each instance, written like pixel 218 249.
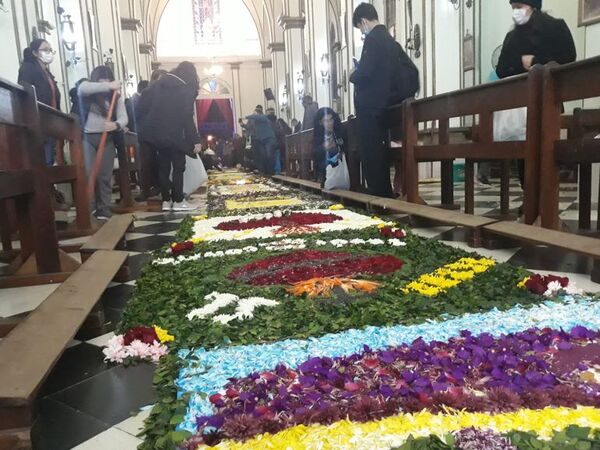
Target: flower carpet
pixel 319 327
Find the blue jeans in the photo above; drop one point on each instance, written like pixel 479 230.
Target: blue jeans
pixel 49 151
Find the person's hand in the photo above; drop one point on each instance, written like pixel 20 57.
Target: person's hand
pixel 197 149
pixel 110 126
pixel 115 85
pixel 527 61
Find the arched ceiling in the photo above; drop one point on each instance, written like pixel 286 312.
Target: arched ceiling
pixel 264 13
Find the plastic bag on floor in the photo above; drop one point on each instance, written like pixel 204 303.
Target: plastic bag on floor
pixel 194 176
pixel 337 177
pixel 510 125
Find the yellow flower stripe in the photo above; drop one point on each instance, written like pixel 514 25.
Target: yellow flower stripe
pixel 163 335
pixel 394 431
pixel 523 282
pixel 449 276
pixel 267 203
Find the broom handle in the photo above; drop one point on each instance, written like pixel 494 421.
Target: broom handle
pixel 101 148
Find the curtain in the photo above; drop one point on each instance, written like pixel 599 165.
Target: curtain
pixel 202 109
pixel 227 111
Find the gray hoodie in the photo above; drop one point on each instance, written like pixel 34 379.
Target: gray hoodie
pixel 95 120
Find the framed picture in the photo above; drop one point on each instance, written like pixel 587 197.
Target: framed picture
pixel 468 53
pixel 589 12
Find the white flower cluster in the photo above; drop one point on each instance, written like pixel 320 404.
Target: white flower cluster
pixel 277 246
pixel 207 229
pixel 243 311
pixel 555 288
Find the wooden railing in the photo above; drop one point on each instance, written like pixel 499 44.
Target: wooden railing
pixel 576 81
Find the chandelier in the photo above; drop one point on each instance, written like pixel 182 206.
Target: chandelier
pixel 207 21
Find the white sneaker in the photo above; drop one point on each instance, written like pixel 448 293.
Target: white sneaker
pixel 167 206
pixel 184 206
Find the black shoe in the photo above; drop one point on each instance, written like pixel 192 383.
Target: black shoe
pixel 484 180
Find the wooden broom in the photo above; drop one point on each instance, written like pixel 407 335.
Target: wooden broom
pixel 91 188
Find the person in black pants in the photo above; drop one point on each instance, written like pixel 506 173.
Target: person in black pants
pixel 166 123
pixel 373 80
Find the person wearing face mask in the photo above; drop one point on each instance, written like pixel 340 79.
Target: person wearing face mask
pixel 537 38
pixel 373 80
pixel 34 71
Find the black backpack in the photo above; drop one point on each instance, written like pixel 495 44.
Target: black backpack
pixel 406 82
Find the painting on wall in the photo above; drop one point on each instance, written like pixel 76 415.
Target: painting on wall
pixel 589 12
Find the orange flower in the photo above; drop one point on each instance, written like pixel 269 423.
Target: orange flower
pixel 324 286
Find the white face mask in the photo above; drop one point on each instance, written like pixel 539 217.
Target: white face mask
pixel 46 57
pixel 521 16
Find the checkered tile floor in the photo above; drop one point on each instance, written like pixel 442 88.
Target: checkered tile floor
pixel 86 404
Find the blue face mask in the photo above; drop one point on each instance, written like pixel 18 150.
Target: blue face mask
pixel 365 33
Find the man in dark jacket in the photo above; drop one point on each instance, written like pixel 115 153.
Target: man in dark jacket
pixel 165 114
pixel 266 141
pixel 536 39
pixel 373 80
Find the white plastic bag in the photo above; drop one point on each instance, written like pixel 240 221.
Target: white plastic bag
pixel 510 125
pixel 337 177
pixel 194 176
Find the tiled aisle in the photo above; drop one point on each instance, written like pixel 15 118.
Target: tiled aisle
pixel 86 404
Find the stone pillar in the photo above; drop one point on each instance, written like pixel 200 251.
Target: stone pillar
pixel 293 37
pixel 317 39
pixel 237 92
pixel 267 75
pixel 281 86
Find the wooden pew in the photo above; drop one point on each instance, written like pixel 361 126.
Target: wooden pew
pixel 21 148
pixel 299 155
pixel 576 81
pixel 65 127
pixel 29 352
pixel 586 124
pixel 584 245
pixel 481 101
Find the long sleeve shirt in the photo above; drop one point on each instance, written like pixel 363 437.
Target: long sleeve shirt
pixel 96 118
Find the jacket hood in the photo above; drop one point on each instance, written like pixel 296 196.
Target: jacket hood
pixel 170 80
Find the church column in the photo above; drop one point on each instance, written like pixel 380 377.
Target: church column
pixel 130 26
pixel 296 73
pixel 318 42
pixel 267 74
pixel 280 82
pixel 237 91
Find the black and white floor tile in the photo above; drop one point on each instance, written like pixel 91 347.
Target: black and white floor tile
pixel 87 405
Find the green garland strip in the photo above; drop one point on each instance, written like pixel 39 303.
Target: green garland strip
pixel 166 294
pixel 573 438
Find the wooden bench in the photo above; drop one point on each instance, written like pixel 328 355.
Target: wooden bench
pixel 298 182
pixel 474 223
pixel 583 245
pixel 482 101
pixel 352 197
pixel 30 351
pixel 575 81
pixel 110 237
pixel 66 128
pixel 39 259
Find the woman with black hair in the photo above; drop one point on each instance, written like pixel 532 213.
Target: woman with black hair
pixel 166 123
pixel 96 96
pixel 328 143
pixel 34 70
